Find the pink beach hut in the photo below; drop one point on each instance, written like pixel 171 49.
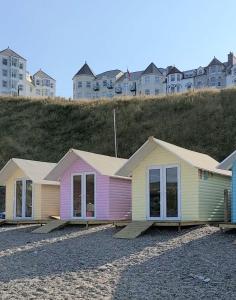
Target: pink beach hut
pixel 89 188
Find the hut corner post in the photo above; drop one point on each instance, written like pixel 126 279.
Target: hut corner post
pixel 227 217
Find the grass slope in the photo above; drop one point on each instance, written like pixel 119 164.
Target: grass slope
pixel 44 130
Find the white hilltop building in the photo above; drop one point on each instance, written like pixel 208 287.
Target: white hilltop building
pixel 153 80
pixel 15 80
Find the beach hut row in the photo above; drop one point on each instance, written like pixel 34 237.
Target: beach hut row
pixel 160 182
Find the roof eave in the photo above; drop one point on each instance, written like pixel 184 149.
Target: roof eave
pixel 227 163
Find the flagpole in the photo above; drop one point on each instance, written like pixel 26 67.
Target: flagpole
pixel 114 123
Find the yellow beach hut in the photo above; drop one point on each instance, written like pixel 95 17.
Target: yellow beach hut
pixel 28 195
pixel 170 184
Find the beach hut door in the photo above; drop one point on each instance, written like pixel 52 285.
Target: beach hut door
pixel 163 193
pixel 23 199
pixel 83 193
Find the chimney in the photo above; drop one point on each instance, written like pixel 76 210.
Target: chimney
pixel 231 59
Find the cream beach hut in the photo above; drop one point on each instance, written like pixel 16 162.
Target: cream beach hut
pixel 170 183
pixel 28 195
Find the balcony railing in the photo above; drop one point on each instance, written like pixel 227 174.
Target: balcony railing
pixel 118 90
pixel 110 85
pixel 133 87
pixel 96 87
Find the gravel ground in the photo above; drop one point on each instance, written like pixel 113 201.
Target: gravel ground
pixel 74 263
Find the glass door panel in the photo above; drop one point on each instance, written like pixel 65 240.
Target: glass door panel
pixel 155 193
pixel 77 196
pixel 19 197
pixel 28 199
pixel 90 195
pixel 172 192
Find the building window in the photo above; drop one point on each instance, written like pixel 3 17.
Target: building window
pixel 178 77
pixel 200 72
pixel 37 82
pixel 21 66
pixel 172 89
pixel 13 84
pixel 178 88
pixel 172 77
pixel 104 83
pixel 21 76
pixel 45 82
pixel 156 79
pixel 13 74
pixel 80 84
pixel 213 69
pixel 4 83
pixel 20 87
pixel 4 61
pixel 189 86
pixel 157 92
pixel 88 84
pixel 4 72
pixel 219 83
pixel 38 92
pixel 213 81
pixel 147 92
pixel 147 79
pixel 14 62
pixel 52 86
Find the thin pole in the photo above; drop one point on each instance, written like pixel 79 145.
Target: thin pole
pixel 114 119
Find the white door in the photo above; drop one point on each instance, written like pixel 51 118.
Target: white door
pixel 163 193
pixel 83 195
pixel 23 199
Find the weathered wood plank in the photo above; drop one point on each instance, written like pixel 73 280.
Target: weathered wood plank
pixel 133 230
pixel 50 226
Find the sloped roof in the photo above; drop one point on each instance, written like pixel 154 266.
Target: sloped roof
pixel 9 52
pixel 35 170
pixel 152 69
pixel 40 73
pixel 173 70
pixel 109 74
pixel 189 73
pixel 214 62
pixel 105 165
pixel 85 70
pixel 195 159
pixel 133 76
pixel 227 163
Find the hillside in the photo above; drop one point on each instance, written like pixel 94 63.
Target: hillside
pixel 45 129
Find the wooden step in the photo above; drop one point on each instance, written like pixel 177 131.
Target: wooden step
pixel 2 221
pixel 50 226
pixel 133 229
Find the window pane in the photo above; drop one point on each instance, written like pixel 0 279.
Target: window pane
pixel 18 198
pixel 28 200
pixel 171 192
pixel 155 192
pixel 90 195
pixel 77 193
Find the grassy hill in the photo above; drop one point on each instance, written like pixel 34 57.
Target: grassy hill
pixel 44 130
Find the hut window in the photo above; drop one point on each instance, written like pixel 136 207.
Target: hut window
pixel 205 175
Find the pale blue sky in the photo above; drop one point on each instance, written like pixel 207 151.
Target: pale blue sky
pixel 58 35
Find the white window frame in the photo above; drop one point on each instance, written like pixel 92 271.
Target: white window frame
pixel 163 211
pixel 23 179
pixel 83 195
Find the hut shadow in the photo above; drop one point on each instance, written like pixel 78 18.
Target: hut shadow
pixel 16 236
pixel 179 273
pixel 74 252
